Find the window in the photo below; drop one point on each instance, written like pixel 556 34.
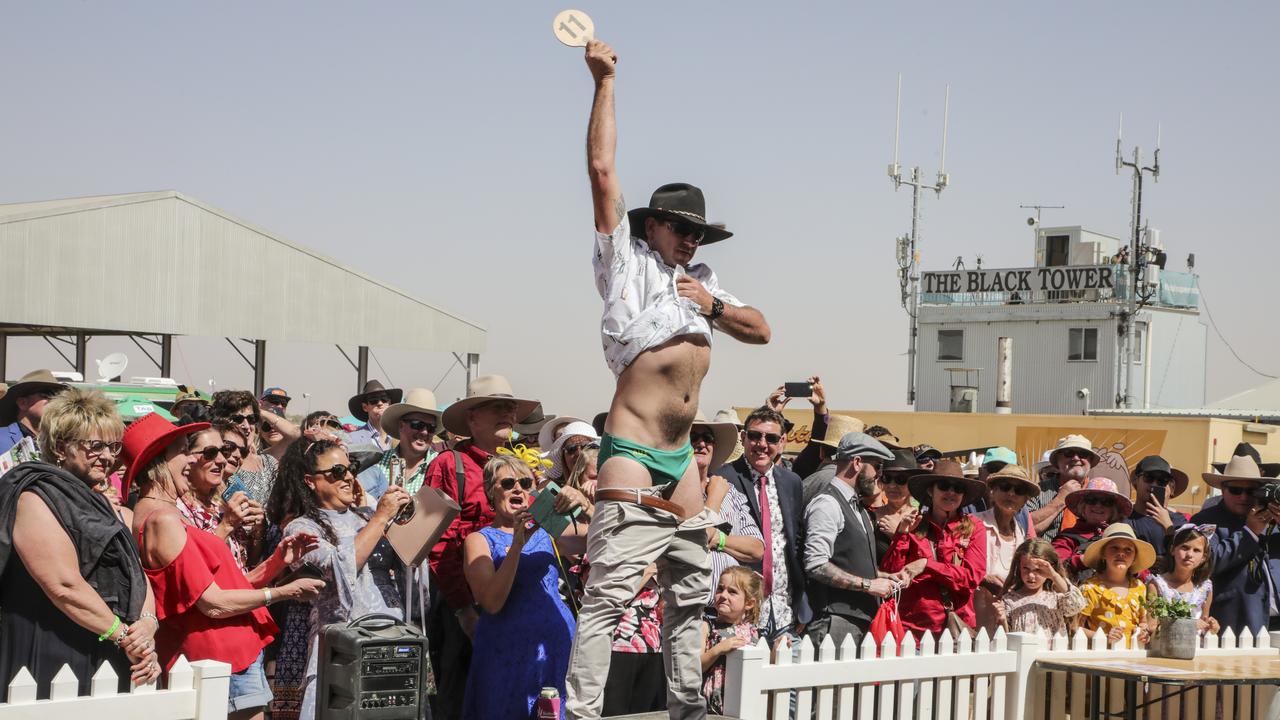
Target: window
pixel 950 345
pixel 1139 342
pixel 1082 344
pixel 1056 250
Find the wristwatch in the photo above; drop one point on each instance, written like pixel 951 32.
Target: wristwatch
pixel 717 308
pixel 863 585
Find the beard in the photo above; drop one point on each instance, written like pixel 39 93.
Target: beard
pixel 866 486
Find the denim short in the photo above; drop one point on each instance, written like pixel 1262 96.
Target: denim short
pixel 249 688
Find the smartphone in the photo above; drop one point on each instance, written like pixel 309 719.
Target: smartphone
pixel 234 486
pixel 1157 492
pixel 304 570
pixel 797 389
pixel 544 513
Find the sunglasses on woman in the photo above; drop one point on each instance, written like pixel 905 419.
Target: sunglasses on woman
pixel 575 449
pixel 771 438
pixel 526 483
pixel 1006 486
pixel 954 486
pixel 248 419
pixel 210 453
pixel 337 472
pixel 230 448
pixel 1098 500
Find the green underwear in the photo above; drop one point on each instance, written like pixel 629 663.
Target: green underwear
pixel 665 466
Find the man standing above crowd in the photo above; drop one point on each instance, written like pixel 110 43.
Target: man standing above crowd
pixel 1074 458
pixel 656 332
pixel 23 405
pixel 775 495
pixel 839 549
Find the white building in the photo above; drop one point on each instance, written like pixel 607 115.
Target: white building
pixel 1062 315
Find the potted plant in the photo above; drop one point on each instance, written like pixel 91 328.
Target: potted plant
pixel 1176 635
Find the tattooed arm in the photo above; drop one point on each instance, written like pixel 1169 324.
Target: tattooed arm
pixel 602 140
pixel 828 574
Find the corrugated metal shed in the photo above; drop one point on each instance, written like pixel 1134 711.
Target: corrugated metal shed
pixel 165 263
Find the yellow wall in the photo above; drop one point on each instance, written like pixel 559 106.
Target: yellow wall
pixel 1189 444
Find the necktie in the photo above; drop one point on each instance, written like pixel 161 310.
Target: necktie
pixel 766 529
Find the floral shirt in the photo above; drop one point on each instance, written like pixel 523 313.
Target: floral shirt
pixel 1106 609
pixel 1045 611
pixel 778 602
pixel 640 630
pixel 641 307
pixel 208 520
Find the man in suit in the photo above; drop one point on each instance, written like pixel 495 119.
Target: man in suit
pixel 845 584
pixel 774 496
pixel 1246 549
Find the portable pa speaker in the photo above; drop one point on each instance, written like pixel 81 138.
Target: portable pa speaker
pixel 374 667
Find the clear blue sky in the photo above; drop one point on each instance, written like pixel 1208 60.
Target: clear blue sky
pixel 438 146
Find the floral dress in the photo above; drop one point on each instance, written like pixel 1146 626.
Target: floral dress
pixel 208 520
pixel 1194 597
pixel 713 678
pixel 1044 612
pixel 1106 609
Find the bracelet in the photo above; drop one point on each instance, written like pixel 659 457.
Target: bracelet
pixel 124 630
pixel 152 617
pixel 110 631
pixel 723 539
pixel 267 591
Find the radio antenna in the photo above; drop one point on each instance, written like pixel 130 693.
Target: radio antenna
pixel 1135 274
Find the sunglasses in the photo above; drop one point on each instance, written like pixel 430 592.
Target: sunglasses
pixel 337 472
pixel 420 425
pixel 1161 479
pixel 94 448
pixel 250 419
pixel 1005 486
pixel 954 486
pixel 705 436
pixel 1098 500
pixel 686 228
pixel 378 400
pixel 210 453
pixel 1076 453
pixel 579 447
pixel 230 448
pixel 771 438
pixel 1236 489
pixel 526 483
pixel 894 478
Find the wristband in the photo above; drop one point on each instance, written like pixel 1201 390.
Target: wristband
pixel 110 631
pixel 723 539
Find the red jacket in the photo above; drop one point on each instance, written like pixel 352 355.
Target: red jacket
pixel 446 556
pixel 921 606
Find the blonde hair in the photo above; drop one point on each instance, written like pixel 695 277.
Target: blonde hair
pixel 752 587
pixel 75 414
pixel 585 459
pixel 496 463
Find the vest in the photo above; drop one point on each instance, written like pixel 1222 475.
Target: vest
pixel 854 553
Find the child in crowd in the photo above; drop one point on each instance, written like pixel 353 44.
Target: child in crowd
pixel 1186 570
pixel 1114 595
pixel 1036 595
pixel 739 594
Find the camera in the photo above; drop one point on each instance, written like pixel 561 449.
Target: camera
pixel 1266 494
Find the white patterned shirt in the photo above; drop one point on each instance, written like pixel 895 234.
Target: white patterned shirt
pixel 641 307
pixel 778 603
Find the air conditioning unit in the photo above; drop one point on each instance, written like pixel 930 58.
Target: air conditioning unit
pixel 964 399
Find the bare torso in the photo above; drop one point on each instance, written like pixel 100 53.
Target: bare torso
pixel 654 404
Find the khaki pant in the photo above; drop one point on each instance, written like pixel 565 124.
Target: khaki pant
pixel 623 539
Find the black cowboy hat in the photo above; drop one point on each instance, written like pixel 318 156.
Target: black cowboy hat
pixel 678 201
pixel 1244 449
pixel 373 387
pixel 903 462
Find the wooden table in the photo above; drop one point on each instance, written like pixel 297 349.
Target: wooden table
pixel 1185 674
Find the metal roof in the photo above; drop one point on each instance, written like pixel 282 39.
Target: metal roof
pixel 1254 415
pixel 163 262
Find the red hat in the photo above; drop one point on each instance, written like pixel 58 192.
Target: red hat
pixel 148 437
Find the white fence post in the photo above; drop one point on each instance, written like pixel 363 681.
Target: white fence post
pixel 1018 696
pixel 213 686
pixel 743 669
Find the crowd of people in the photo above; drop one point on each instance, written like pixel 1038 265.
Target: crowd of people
pixel 237 534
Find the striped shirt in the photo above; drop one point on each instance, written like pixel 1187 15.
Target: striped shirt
pixel 737 513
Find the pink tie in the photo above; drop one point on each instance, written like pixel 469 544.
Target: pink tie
pixel 766 529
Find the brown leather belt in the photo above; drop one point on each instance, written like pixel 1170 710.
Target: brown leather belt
pixel 641 498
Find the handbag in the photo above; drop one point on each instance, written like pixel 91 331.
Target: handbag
pixel 420 524
pixel 888 621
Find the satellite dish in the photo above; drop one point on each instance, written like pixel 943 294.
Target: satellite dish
pixel 112 366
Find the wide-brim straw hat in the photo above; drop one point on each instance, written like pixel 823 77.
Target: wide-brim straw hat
pixel 33 382
pixel 945 470
pixel 1240 468
pixel 1099 485
pixel 1157 464
pixel 837 427
pixel 373 387
pixel 726 434
pixel 1145 556
pixel 484 389
pixel 577 428
pixel 418 400
pixel 1018 475
pixel 547 433
pixel 146 438
pixel 1077 442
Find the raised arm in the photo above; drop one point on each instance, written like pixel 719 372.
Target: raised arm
pixel 602 140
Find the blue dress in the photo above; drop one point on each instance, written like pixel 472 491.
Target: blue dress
pixel 525 646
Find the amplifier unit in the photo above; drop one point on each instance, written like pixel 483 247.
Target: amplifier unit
pixel 373 667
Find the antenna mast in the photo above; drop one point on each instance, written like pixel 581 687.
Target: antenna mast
pixel 908 253
pixel 1138 293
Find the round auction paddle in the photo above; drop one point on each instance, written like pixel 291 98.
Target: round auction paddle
pixel 573 28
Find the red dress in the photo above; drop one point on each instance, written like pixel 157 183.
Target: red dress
pixel 184 630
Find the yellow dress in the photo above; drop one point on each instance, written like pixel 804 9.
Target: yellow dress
pixel 1106 609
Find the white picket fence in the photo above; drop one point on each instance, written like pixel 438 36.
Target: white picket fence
pixel 976 678
pixel 196 691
